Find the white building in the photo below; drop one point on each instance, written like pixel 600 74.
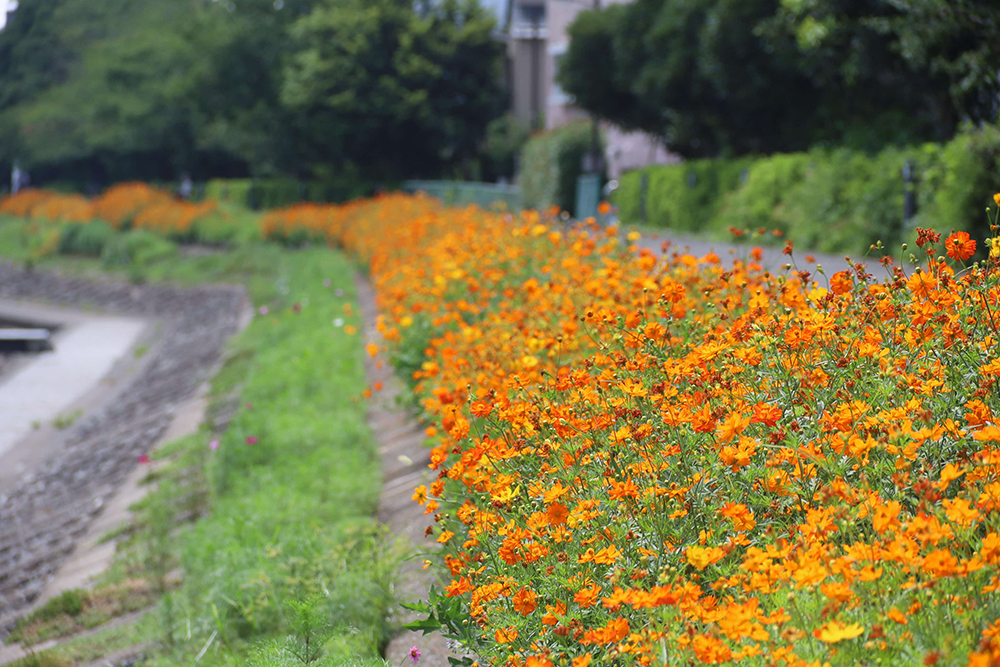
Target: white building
pixel 6 8
pixel 537 38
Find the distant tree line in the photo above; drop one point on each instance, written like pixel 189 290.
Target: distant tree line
pixel 734 77
pixel 365 91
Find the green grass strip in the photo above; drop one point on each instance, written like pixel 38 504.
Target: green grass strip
pixel 287 565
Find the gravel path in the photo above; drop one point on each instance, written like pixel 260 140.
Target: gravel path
pixel 51 505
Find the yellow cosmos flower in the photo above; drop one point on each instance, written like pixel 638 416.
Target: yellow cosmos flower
pixel 834 632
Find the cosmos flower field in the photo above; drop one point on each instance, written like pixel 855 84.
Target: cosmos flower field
pixel 680 461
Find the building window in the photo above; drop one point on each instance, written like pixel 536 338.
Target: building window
pixel 530 14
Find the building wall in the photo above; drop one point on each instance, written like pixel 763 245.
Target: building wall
pixel 632 150
pixel 624 150
pixel 528 72
pixel 7 7
pixel 559 108
pixel 527 37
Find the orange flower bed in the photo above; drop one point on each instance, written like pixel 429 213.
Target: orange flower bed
pixel 673 461
pixel 24 202
pixel 48 206
pixel 64 208
pixel 171 217
pixel 121 203
pixel 136 204
pixel 648 460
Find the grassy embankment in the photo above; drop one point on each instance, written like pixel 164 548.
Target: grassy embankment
pixel 257 543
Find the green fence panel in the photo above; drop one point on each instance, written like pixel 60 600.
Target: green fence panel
pixel 588 195
pixel 463 193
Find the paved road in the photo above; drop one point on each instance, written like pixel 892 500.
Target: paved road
pixel 773 259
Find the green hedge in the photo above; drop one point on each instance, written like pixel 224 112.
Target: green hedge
pixel 550 165
pixel 234 190
pixel 267 193
pixel 85 239
pixel 828 200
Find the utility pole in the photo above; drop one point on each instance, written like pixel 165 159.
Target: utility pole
pixel 588 184
pixel 595 138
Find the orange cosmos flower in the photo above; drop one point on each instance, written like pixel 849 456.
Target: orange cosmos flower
pixel 553 612
pixel 990 550
pixel 459 587
pixel 733 426
pixel 897 616
pixel 505 635
pixel 480 408
pixel 420 494
pixel 959 246
pixel 615 631
pixel 884 516
pixel 524 601
pixel 841 282
pixel 587 597
pixel 538 661
pixel 607 556
pixel 702 557
pixel 922 283
pixel 959 511
pixel 709 650
pixel 740 515
pixel 557 514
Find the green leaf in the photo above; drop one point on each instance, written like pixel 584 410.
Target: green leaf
pixel 425 625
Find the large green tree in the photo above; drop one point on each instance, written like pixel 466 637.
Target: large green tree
pixel 691 71
pixel 404 92
pixel 130 97
pixel 153 88
pixel 717 77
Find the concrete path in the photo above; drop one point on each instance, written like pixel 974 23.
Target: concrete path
pixel 86 349
pixel 773 258
pixel 405 462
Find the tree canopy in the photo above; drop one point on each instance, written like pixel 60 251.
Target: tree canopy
pixel 380 90
pixel 730 77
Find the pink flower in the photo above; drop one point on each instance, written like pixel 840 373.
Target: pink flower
pixel 252 440
pixel 143 459
pixel 415 654
pixel 263 310
pixel 214 445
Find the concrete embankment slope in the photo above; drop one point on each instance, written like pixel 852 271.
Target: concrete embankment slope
pixel 86 348
pixel 54 489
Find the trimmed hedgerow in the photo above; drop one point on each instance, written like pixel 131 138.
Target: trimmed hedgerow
pixel 550 165
pixel 836 200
